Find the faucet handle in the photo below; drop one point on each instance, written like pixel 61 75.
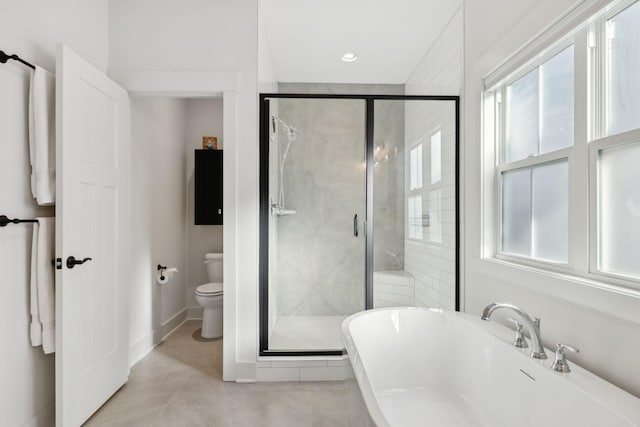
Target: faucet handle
pixel 519 340
pixel 560 363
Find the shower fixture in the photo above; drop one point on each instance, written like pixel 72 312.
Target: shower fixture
pixel 292 134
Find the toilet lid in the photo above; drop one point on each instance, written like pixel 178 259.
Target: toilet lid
pixel 210 288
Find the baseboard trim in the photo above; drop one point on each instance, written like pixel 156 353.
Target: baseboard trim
pixel 141 348
pixel 147 343
pixel 172 324
pixel 194 312
pixel 45 418
pixel 245 372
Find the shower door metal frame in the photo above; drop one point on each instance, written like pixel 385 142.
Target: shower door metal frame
pixel 369 100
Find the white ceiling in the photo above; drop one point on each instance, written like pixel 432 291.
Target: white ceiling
pixel 306 39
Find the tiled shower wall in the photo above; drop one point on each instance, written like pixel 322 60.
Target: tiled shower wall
pixel 432 264
pixel 388 185
pixel 320 261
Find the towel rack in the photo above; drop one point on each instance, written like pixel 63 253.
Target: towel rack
pixel 4 220
pixel 4 58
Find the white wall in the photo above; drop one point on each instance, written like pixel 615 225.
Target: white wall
pixel 158 218
pixel 31 29
pixel 204 118
pixel 211 36
pixel 267 78
pixel 439 73
pixel 602 323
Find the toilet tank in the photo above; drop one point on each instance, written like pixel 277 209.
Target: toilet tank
pixel 213 262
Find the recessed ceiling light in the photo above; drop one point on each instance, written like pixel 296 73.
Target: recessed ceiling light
pixel 349 57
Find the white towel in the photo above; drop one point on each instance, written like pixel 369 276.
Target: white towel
pixel 36 325
pixel 42 136
pixel 43 315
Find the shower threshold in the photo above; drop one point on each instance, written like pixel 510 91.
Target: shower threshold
pixel 300 333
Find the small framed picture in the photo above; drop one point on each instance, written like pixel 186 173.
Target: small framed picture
pixel 209 143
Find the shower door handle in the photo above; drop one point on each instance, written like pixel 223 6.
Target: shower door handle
pixel 355 225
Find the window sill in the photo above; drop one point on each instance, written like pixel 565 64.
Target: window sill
pixel 611 299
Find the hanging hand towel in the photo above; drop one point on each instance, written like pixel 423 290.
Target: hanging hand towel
pixel 42 136
pixel 36 325
pixel 43 316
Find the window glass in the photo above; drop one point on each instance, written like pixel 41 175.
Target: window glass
pixel 551 211
pixel 619 210
pixel 522 117
pixel 535 211
pixel 623 36
pixel 516 212
pixel 540 109
pixel 556 101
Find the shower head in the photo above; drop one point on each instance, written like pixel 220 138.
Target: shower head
pixel 292 132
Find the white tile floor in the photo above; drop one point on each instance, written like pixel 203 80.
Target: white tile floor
pixel 307 333
pixel 179 384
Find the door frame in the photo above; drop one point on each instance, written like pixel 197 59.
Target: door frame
pixel 369 100
pixel 202 84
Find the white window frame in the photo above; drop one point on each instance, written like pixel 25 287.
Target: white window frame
pixel 590 108
pixel 567 153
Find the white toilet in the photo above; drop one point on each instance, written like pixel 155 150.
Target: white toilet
pixel 209 296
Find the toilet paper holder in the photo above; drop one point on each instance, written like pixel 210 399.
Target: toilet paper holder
pixel 162 269
pixel 164 274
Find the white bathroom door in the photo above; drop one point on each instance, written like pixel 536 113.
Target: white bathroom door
pixel 92 120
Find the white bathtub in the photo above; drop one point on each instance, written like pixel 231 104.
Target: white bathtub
pixel 427 367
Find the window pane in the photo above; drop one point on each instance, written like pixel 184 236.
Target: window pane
pixel 516 212
pixel 414 217
pixel 551 211
pixel 416 168
pixel 522 117
pixel 556 80
pixel 436 157
pixel 623 34
pixel 619 210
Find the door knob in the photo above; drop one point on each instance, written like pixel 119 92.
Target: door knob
pixel 72 261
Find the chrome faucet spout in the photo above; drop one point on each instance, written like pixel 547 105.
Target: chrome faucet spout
pixel 532 324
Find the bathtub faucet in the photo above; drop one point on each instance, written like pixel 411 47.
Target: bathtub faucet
pixel 537 351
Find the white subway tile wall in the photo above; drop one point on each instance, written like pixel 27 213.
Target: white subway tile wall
pixel 431 263
pixel 393 289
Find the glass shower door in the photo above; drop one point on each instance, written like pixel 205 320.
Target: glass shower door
pixel 316 211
